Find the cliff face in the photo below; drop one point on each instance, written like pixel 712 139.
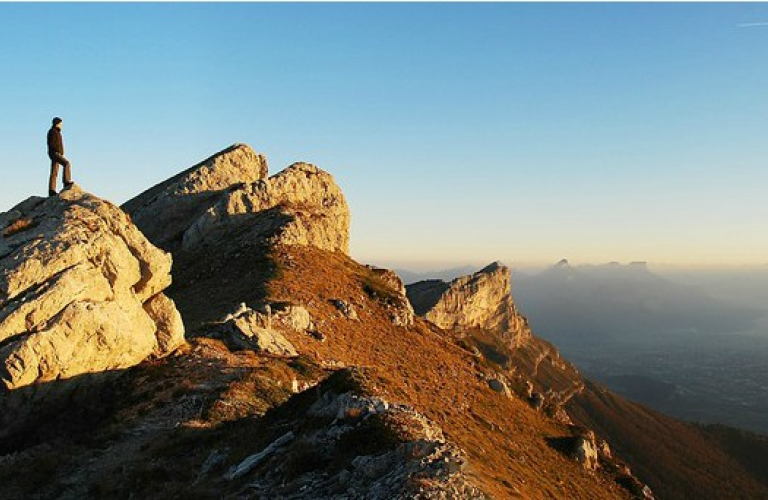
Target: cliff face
pixel 480 309
pixel 80 292
pixel 481 300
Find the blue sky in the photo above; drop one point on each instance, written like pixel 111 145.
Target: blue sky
pixel 460 133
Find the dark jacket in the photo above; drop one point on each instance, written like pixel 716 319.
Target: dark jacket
pixel 55 141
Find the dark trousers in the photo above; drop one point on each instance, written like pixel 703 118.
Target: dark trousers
pixel 56 160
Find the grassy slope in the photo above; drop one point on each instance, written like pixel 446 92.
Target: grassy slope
pixel 675 458
pixel 505 439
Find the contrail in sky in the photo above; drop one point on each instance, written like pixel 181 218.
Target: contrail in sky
pixel 750 25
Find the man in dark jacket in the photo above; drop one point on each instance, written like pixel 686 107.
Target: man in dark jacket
pixel 56 154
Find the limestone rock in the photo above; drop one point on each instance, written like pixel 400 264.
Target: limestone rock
pixel 166 211
pixel 389 277
pixel 604 449
pixel 302 205
pixel 250 329
pixel 481 300
pixel 585 452
pixel 170 326
pixel 558 414
pixel 229 195
pixel 291 316
pixel 80 293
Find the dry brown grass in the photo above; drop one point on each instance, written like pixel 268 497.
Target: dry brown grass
pixel 215 399
pixel 506 440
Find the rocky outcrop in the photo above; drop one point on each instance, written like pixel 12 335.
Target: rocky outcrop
pixel 165 212
pixel 482 300
pixel 302 205
pixel 359 446
pixel 380 285
pixel 388 277
pixel 259 331
pixel 585 450
pixel 80 293
pixel 229 193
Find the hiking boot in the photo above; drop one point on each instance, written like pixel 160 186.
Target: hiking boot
pixel 68 185
pixel 51 192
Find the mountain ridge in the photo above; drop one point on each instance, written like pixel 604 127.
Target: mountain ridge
pixel 375 402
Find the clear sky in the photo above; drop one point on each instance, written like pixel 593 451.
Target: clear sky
pixel 460 133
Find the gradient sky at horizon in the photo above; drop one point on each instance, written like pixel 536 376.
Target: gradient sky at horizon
pixel 460 133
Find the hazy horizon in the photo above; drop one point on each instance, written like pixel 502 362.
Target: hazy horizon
pixel 513 264
pixel 458 132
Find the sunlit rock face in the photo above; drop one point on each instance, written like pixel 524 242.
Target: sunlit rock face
pixel 229 193
pixel 81 292
pixel 302 205
pixel 165 211
pixel 481 300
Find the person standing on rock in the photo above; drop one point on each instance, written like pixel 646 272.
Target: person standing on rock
pixel 56 154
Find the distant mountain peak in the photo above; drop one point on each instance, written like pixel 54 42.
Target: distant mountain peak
pixel 492 267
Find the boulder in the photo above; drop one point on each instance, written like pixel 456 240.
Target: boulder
pixel 585 449
pixel 389 277
pixel 499 386
pixel 165 211
pixel 585 452
pixel 345 308
pixel 248 329
pixel 80 293
pixel 291 317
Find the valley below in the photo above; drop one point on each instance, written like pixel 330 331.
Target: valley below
pixel 692 344
pixel 699 377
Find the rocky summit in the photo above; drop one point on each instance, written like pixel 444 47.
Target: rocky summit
pixel 165 211
pixel 81 292
pixel 229 192
pixel 304 374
